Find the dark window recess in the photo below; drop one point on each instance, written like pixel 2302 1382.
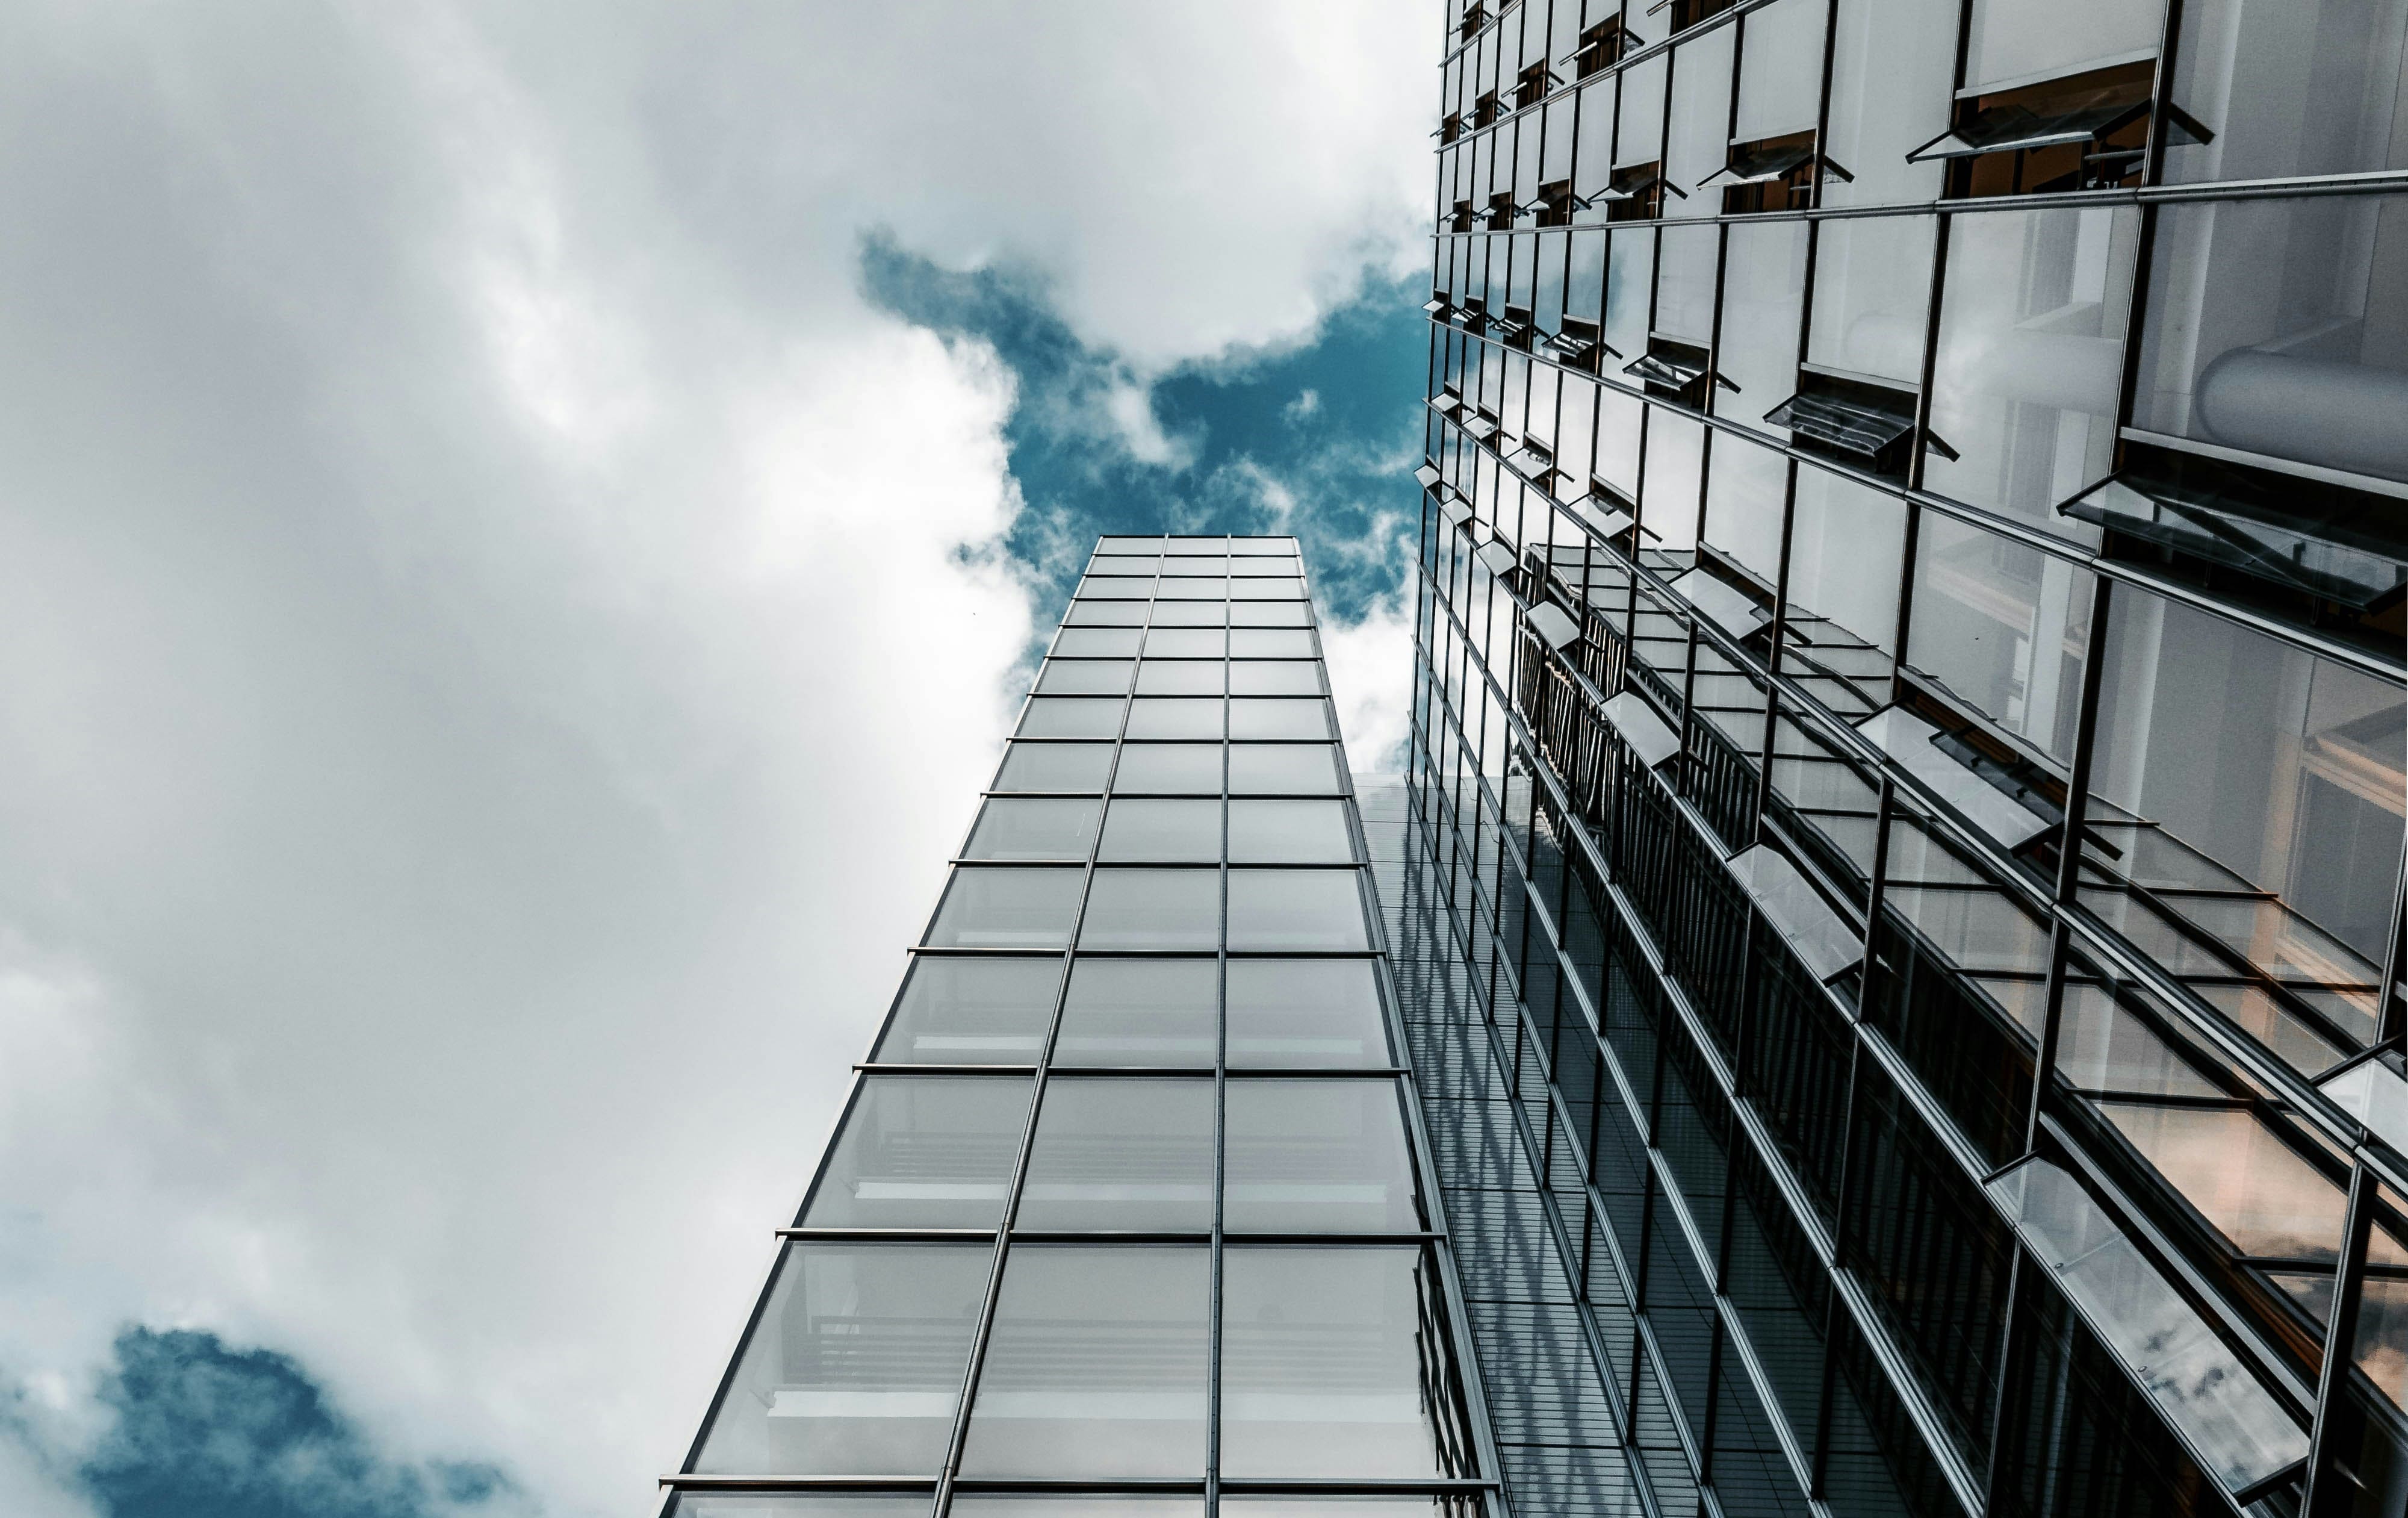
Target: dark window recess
pixel 1688 13
pixel 1859 422
pixel 1601 48
pixel 1438 307
pixel 2312 551
pixel 1450 126
pixel 1500 211
pixel 1537 461
pixel 1532 85
pixel 1481 423
pixel 1636 193
pixel 2085 132
pixel 1459 216
pixel 1472 313
pixel 1484 110
pixel 1676 372
pixel 2022 778
pixel 1772 174
pixel 1581 345
pixel 1474 18
pixel 1557 203
pixel 1613 513
pixel 1515 327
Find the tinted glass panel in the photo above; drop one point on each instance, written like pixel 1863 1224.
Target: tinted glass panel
pixel 1122 1154
pixel 1098 642
pixel 1261 719
pixel 855 1366
pixel 1275 677
pixel 922 1152
pixel 1181 677
pixel 1190 614
pixel 1317 1156
pixel 1054 766
pixel 1185 643
pixel 1030 827
pixel 1169 767
pixel 1174 716
pixel 1152 830
pixel 1097 1366
pixel 1153 908
pixel 1072 716
pixel 972 1011
pixel 1085 677
pixel 1294 909
pixel 1290 833
pixel 1268 769
pixel 1305 1013
pixel 1271 643
pixel 1139 1011
pixel 1271 614
pixel 1001 908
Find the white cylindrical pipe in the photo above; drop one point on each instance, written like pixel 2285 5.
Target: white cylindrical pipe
pixel 2343 416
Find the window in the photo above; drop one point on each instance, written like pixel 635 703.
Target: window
pixel 1124 1155
pixel 1000 907
pixel 1060 716
pixel 1153 908
pixel 1140 1011
pixel 2300 87
pixel 1317 1156
pixel 1304 1013
pixel 1174 716
pixel 1277 718
pixel 2087 132
pixel 1033 827
pixel 1281 769
pixel 1275 909
pixel 1271 643
pixel 1054 766
pixel 983 1010
pixel 922 1152
pixel 1286 677
pixel 1179 677
pixel 1289 833
pixel 855 1367
pixel 1169 768
pixel 1185 643
pixel 1083 677
pixel 1096 643
pixel 1163 831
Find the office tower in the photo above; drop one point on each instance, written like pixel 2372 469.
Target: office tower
pixel 1206 1271
pixel 1911 600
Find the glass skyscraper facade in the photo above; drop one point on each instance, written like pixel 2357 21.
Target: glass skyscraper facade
pixel 1125 1213
pixel 1901 892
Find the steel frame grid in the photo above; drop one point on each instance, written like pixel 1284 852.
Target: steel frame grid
pixel 1430 1243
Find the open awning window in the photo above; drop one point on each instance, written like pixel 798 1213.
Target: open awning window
pixel 2327 541
pixel 1866 425
pixel 1601 46
pixel 2018 128
pixel 1580 344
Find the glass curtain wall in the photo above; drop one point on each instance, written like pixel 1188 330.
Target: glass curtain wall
pixel 1126 1210
pixel 1910 731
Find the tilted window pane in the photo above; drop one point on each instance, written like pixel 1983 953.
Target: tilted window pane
pixel 922 1152
pixel 1097 1366
pixel 996 907
pixel 1322 1365
pixel 1072 716
pixel 978 1010
pixel 1034 827
pixel 1283 770
pixel 1296 909
pixel 1298 677
pixel 1289 833
pixel 1181 677
pixel 855 1367
pixel 1275 719
pixel 1317 1156
pixel 1152 831
pixel 2259 1193
pixel 1130 1155
pixel 1171 716
pixel 1054 766
pixel 1085 677
pixel 1139 1011
pixel 1300 1013
pixel 1169 768
pixel 1153 908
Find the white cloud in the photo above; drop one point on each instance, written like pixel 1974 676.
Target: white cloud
pixel 1306 404
pixel 500 638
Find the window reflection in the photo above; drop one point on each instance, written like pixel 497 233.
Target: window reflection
pixel 1139 1011
pixel 1000 907
pixel 1054 766
pixel 1273 909
pixel 1169 768
pixel 1032 827
pixel 983 1010
pixel 922 1152
pixel 1121 1155
pixel 1153 908
pixel 1317 1156
pixel 1299 1013
pixel 2258 1193
pixel 1289 833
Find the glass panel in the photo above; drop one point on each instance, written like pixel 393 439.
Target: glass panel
pixel 1067 1505
pixel 1174 716
pixel 1764 287
pixel 972 1011
pixel 1317 1156
pixel 1281 769
pixel 1296 909
pixel 1029 828
pixel 1058 716
pixel 1139 1011
pixel 2262 1197
pixel 2289 87
pixel 1322 1368
pixel 1115 587
pixel 1195 590
pixel 1872 287
pixel 2003 626
pixel 2019 41
pixel 1181 677
pixel 1105 614
pixel 1184 643
pixel 1290 833
pixel 1174 769
pixel 1001 908
pixel 794 1505
pixel 1271 614
pixel 1305 1013
pixel 1190 614
pixel 1267 589
pixel 922 1152
pixel 1097 642
pixel 1158 831
pixel 855 1364
pixel 1270 718
pixel 1132 1156
pixel 1271 643
pixel 1097 1366
pixel 1296 677
pixel 1892 64
pixel 1153 908
pixel 1054 766
pixel 2031 359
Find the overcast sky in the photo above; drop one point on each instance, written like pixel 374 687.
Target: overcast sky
pixel 521 528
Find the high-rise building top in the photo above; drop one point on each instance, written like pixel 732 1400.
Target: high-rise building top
pixel 1914 551
pixel 1127 1207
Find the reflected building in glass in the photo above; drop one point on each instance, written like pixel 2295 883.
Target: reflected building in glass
pixel 1906 803
pixel 1128 1214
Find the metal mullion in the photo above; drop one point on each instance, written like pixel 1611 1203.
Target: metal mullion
pixel 948 1472
pixel 2340 1332
pixel 1220 1131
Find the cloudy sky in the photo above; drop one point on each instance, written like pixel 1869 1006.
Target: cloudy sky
pixel 520 527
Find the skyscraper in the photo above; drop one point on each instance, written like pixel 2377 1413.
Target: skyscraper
pixel 1209 1270
pixel 1911 598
